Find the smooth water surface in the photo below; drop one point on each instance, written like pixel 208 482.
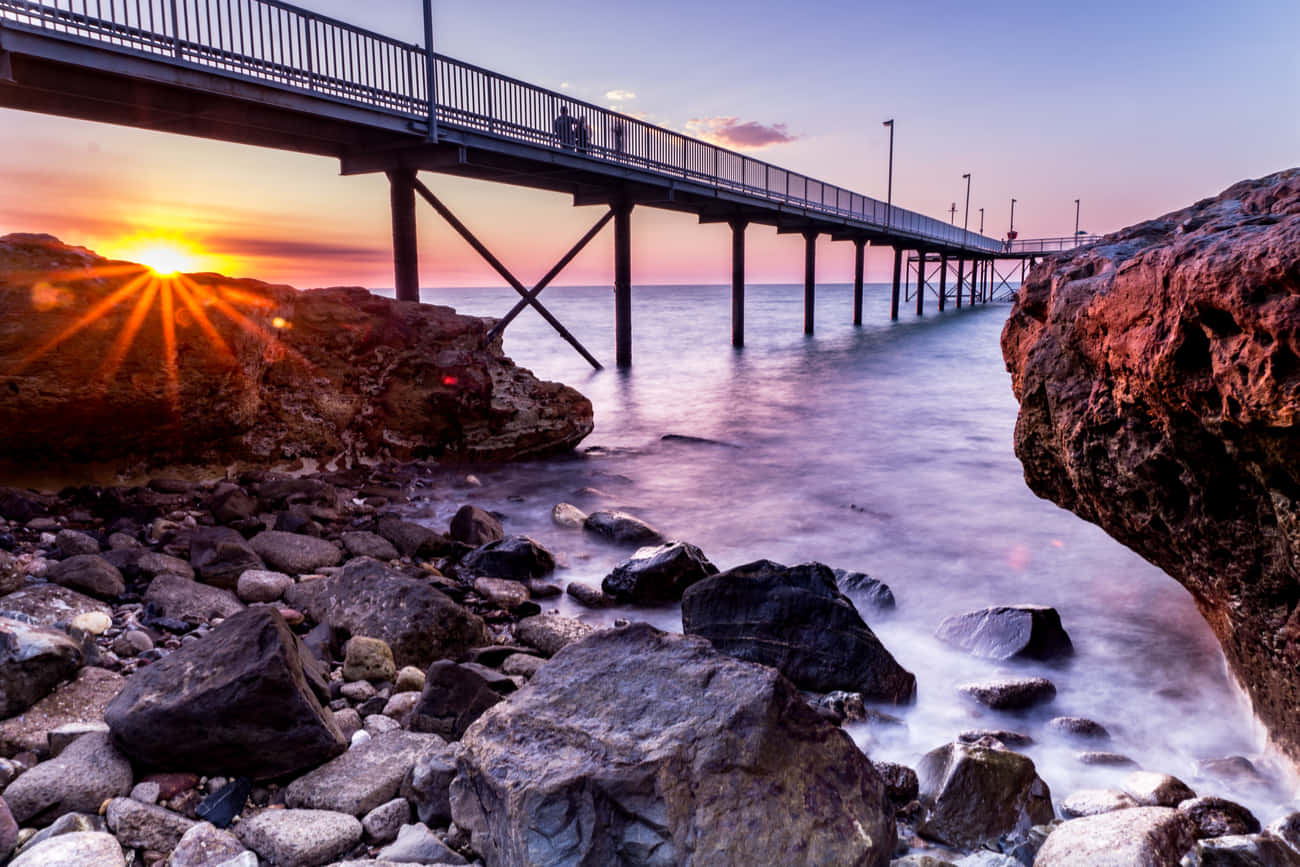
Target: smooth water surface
pixel 885 449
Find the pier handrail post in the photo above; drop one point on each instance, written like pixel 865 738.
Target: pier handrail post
pixel 431 72
pixel 176 31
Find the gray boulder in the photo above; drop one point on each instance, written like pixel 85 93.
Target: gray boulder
pixel 1008 632
pixel 82 849
pixel 236 702
pixel 417 844
pixel 475 527
pixel 48 604
pixel 220 555
pixel 145 826
pixel 551 633
pixel 1094 802
pixel 300 838
pixel 654 575
pixel 454 696
pixel 1242 850
pixel 361 543
pixel 1139 837
pixel 622 527
pixel 294 553
pixel 365 776
pixel 515 557
pixel 33 660
pixel 1011 693
pixel 81 778
pixel 976 795
pixel 639 746
pixel 1219 817
pixel 428 788
pixel 184 599
pixel 419 622
pixel 206 846
pixel 795 619
pixel 90 574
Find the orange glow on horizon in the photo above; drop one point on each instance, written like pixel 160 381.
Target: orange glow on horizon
pixel 164 255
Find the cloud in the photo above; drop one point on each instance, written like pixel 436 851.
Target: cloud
pixel 619 95
pixel 742 135
pixel 293 248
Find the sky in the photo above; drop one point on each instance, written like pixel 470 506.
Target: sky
pixel 1134 107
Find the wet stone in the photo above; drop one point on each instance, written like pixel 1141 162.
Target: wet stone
pixel 1219 817
pixel 1152 789
pixel 1079 727
pixel 1105 759
pixel 1004 736
pixel 588 596
pixel 1011 693
pixel 1093 802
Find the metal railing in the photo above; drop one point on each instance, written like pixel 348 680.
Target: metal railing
pixel 275 43
pixel 1050 245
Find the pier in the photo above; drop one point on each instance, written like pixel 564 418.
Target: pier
pixel 270 74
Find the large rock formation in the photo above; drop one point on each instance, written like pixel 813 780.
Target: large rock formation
pixel 103 361
pixel 1159 388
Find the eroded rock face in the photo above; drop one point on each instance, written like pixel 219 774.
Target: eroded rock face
pixel 1158 374
pixel 672 754
pixel 261 373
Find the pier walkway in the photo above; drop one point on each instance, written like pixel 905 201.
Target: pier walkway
pixel 267 73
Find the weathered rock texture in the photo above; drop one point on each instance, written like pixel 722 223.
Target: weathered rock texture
pixel 1159 387
pixel 238 369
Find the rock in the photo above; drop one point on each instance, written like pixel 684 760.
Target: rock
pixel 145 826
pixel 360 543
pixel 363 777
pixel 1219 817
pixel 93 622
pixel 1156 790
pixel 184 599
pixel 171 785
pixel 59 738
pixel 147 792
pixel 236 701
pixel 261 585
pixel 901 783
pixel 295 553
pixel 409 679
pixel 515 557
pixel 48 604
pixel 976 795
pixel 1079 727
pixel 622 527
pixel 796 620
pixel 80 701
pixel 417 844
pixel 12 574
pixel 1253 850
pixel 83 849
pixel 869 590
pixel 83 776
pixel 300 838
pixel 522 665
pixel 74 542
pixel 1156 375
pixel 205 846
pixel 1112 760
pixel 90 574
pixel 401 706
pixel 8 830
pixel 502 592
pixel 220 555
pixel 550 633
pixel 33 660
pixel 368 659
pixel 1008 632
pixel 659 759
pixel 1235 769
pixel 566 515
pixel 588 596
pixel 233 505
pixel 985 858
pixel 1093 802
pixel 419 622
pixel 133 642
pixel 453 697
pixel 1141 835
pixel 1004 736
pixel 654 575
pixel 1287 828
pixel 225 803
pixel 475 527
pixel 383 822
pixel 151 564
pixel 1011 693
pixel 414 540
pixel 68 823
pixel 428 786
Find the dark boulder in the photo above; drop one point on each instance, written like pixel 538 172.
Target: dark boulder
pixel 414 540
pixel 661 574
pixel 518 558
pixel 871 591
pixel 796 620
pixel 236 702
pixel 976 795
pixel 622 527
pixel 88 573
pixel 33 660
pixel 453 697
pixel 220 555
pixel 1008 632
pixel 419 622
pixel 474 526
pixel 1011 693
pixel 1219 817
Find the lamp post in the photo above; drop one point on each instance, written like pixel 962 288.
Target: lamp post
pixel 1012 228
pixel 952 213
pixel 889 194
pixel 981 221
pixel 1076 221
pixel 431 77
pixel 965 221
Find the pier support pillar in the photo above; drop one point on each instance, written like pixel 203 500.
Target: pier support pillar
pixel 961 277
pixel 622 208
pixel 809 278
pixel 943 281
pixel 974 269
pixel 920 282
pixel 738 282
pixel 893 296
pixel 859 265
pixel 984 281
pixel 406 248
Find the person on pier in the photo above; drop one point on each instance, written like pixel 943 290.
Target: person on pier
pixel 564 128
pixel 584 134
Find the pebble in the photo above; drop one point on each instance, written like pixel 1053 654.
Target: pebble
pixel 368 659
pixel 300 836
pixel 377 723
pixel 93 622
pixel 133 642
pixel 1079 727
pixel 360 737
pixel 383 822
pixel 409 679
pixel 358 691
pixel 147 792
pixel 261 585
pixel 522 665
pixel 1112 760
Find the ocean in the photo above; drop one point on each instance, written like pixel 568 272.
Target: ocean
pixel 885 449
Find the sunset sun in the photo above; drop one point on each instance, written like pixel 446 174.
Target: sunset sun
pixel 165 257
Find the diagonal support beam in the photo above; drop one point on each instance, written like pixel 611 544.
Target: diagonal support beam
pixel 568 257
pixel 501 269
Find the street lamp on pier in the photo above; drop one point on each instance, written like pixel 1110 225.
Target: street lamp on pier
pixel 889 194
pixel 981 221
pixel 1011 229
pixel 1076 221
pixel 965 221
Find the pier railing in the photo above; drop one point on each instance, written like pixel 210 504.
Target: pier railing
pixel 275 43
pixel 1050 245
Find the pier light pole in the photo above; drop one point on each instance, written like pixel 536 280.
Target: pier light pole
pixel 981 221
pixel 889 194
pixel 965 221
pixel 1076 221
pixel 1012 227
pixel 430 71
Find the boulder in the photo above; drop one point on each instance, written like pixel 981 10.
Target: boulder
pixel 151 564
pixel 48 604
pixel 73 542
pixel 1219 817
pixel 90 574
pixel 866 589
pixel 515 557
pixel 588 596
pixel 414 540
pixel 261 585
pixel 475 527
pixel 417 844
pixel 33 660
pixel 417 621
pixel 502 592
pixel 1148 836
pixel 1093 802
pixel 205 846
pixel 145 826
pixel 901 783
pixel 1011 693
pixel 382 824
pixel 294 553
pixel 1079 727
pixel 654 575
pixel 1008 632
pixel 82 848
pixel 220 555
pixel 454 696
pixel 365 776
pixel 87 773
pixel 1157 377
pixel 621 527
pixel 976 795
pixel 796 620
pixel 1242 850
pixel 362 543
pixel 551 633
pixel 568 515
pixel 300 838
pixel 80 701
pixel 1151 789
pixel 661 759
pixel 428 788
pixel 184 599
pixel 368 659
pixel 235 702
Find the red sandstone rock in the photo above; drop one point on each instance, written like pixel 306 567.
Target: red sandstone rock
pixel 96 367
pixel 1159 386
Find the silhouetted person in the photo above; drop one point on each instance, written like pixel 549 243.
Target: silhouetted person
pixel 584 135
pixel 563 127
pixel 617 130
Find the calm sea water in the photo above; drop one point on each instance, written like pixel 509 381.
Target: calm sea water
pixel 885 449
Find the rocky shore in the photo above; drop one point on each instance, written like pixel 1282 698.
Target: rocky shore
pixel 284 670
